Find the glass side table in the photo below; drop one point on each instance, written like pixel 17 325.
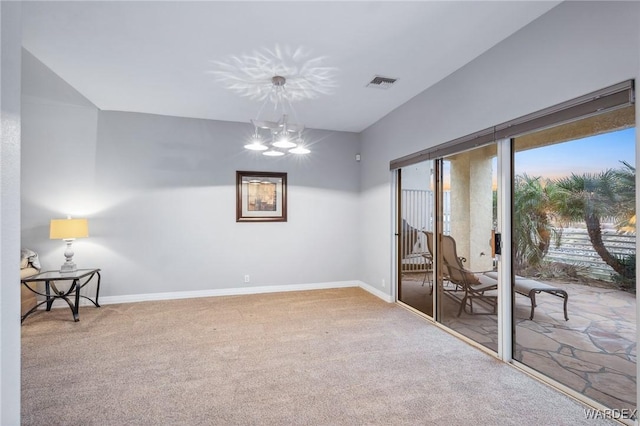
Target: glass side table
pixel 79 279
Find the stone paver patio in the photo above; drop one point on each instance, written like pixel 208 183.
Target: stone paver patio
pixel 593 353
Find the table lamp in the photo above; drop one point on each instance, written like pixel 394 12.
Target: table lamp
pixel 68 230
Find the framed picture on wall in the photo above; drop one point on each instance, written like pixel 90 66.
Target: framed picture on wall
pixel 261 197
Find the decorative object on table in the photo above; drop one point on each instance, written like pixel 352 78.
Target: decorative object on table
pixel 281 76
pixel 261 197
pixel 68 230
pixel 29 259
pixel 29 265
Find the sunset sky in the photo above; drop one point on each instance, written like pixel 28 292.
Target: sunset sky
pixel 589 155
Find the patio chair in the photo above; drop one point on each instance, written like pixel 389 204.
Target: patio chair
pixel 445 274
pixel 474 284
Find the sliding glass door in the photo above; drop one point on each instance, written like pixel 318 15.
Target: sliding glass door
pixel 446 260
pixel 574 256
pixel 467 287
pixel 416 218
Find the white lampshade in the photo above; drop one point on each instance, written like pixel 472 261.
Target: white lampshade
pixel 299 150
pixel 256 143
pixel 283 141
pixel 256 146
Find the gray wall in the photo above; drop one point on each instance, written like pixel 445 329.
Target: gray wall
pixel 574 49
pixel 10 37
pixel 159 193
pixel 59 129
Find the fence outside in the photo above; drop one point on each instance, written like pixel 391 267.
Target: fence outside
pixel 417 216
pixel 418 209
pixel 575 249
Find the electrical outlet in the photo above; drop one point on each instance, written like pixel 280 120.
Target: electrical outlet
pixel 247 278
pixel 384 283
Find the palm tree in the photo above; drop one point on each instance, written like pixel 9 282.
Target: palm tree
pixel 626 190
pixel 589 198
pixel 532 220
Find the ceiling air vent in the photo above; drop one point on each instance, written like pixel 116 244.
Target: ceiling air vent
pixel 379 82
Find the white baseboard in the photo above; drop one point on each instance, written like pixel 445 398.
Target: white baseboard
pixel 384 296
pixel 131 298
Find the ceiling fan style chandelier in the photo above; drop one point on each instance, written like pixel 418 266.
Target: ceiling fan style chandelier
pixel 262 76
pixel 281 135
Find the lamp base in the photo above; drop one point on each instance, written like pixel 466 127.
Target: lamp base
pixel 68 267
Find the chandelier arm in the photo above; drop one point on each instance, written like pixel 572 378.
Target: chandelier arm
pixel 294 127
pixel 266 125
pixel 264 104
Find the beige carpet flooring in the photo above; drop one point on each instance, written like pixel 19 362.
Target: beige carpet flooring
pixel 326 357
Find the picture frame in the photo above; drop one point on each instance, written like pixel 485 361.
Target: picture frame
pixel 261 196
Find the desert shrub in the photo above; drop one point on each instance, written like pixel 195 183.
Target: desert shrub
pixel 554 270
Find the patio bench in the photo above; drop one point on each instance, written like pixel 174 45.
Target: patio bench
pixel 530 288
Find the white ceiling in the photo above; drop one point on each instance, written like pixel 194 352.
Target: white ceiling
pixel 157 57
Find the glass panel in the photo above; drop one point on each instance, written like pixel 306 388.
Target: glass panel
pixel 467 293
pixel 415 282
pixel 574 243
